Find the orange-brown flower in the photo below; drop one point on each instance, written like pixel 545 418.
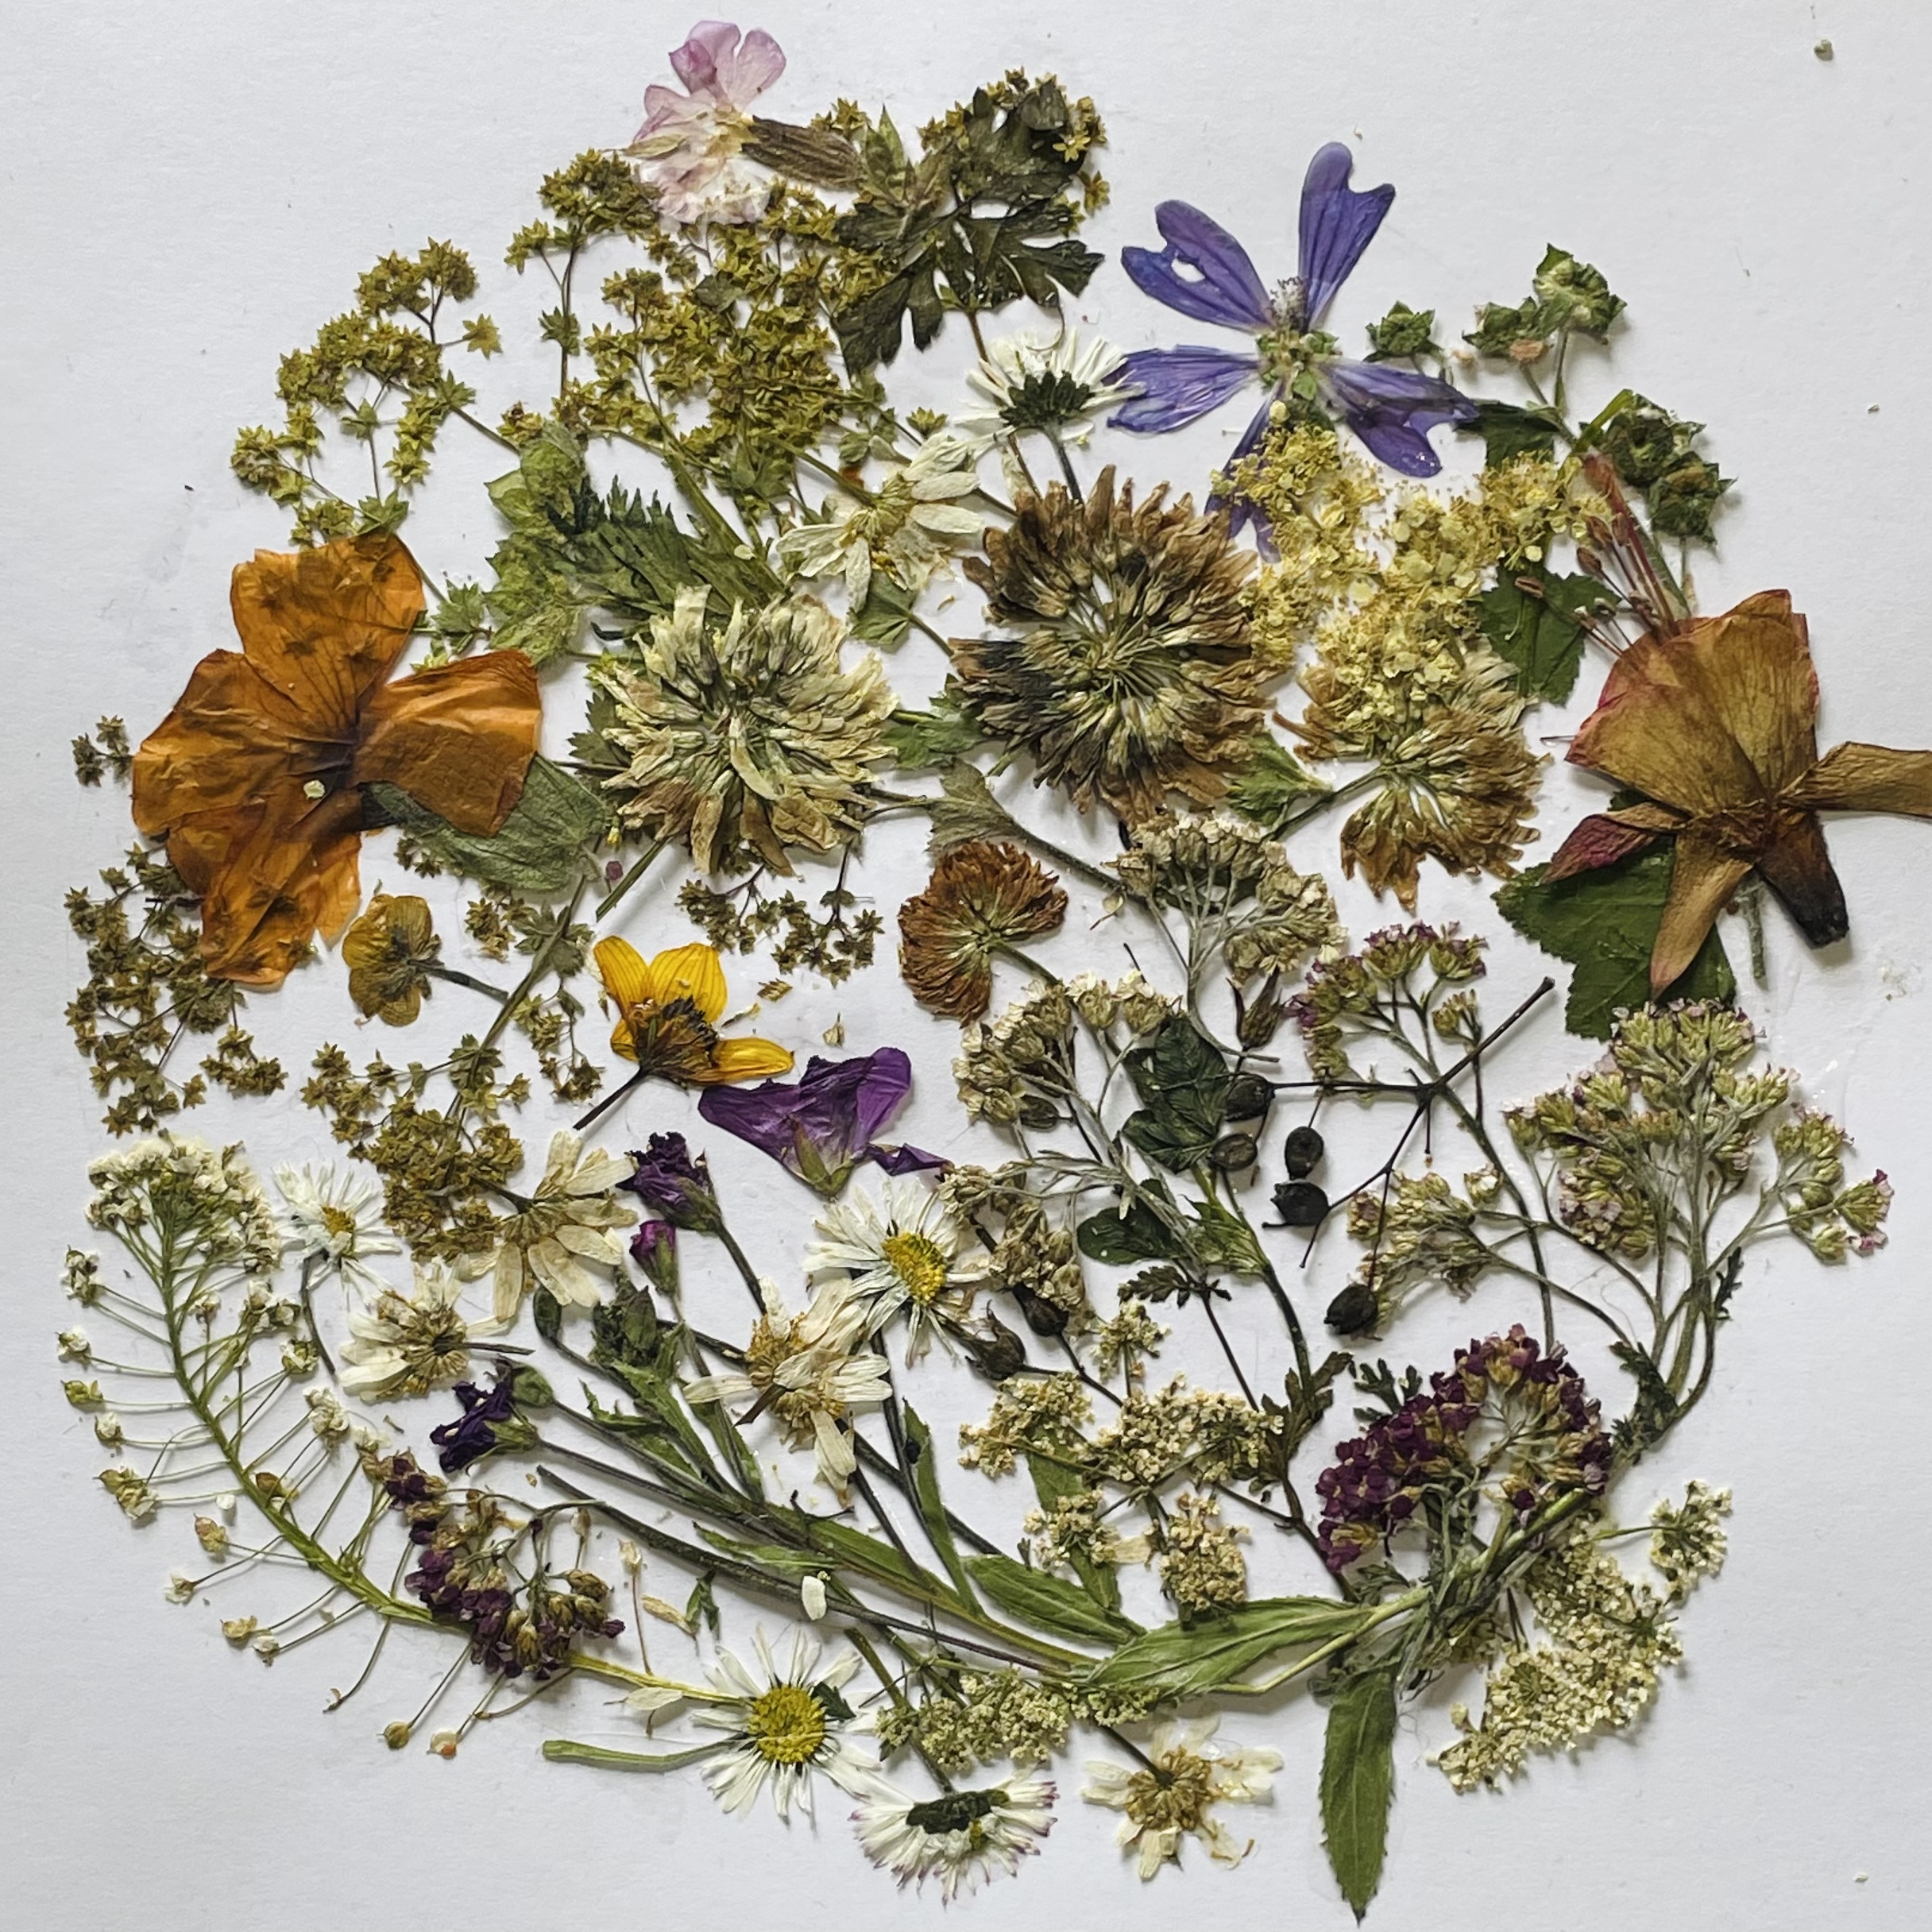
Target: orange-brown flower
pixel 981 898
pixel 390 952
pixel 254 778
pixel 1715 724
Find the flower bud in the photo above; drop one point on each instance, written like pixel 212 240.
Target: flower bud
pixel 995 1351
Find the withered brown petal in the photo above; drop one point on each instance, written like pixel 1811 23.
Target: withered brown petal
pixel 1796 866
pixel 1703 875
pixel 1869 778
pixel 1598 840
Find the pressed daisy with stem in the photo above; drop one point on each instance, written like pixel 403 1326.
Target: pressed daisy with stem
pixel 561 1238
pixel 406 1344
pixel 1170 1795
pixel 899 1251
pixel 964 1839
pixel 334 1222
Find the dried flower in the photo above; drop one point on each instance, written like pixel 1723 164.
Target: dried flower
pixel 255 778
pixel 405 1345
pixel 1130 675
pixel 690 143
pixel 387 951
pixel 980 899
pixel 1172 1797
pixel 746 741
pixel 668 1010
pixel 900 1250
pixel 561 1239
pixel 335 1220
pixel 964 1839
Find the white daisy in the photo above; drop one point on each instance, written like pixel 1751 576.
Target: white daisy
pixel 901 1250
pixel 404 1345
pixel 335 1220
pixel 783 1726
pixel 965 1838
pixel 563 1234
pixel 1057 384
pixel 801 1369
pixel 1168 1799
pixel 910 525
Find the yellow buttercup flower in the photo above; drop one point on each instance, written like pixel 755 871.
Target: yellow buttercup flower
pixel 667 1012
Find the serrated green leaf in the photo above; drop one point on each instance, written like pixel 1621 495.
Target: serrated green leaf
pixel 542 849
pixel 1271 784
pixel 1182 1080
pixel 1537 631
pixel 1605 923
pixel 1358 1783
pixel 941 734
pixel 1509 431
pixel 886 616
pixel 931 1506
pixel 1185 1660
pixel 1047 1601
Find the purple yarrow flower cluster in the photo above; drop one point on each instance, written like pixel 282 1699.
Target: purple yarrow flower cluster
pixel 1206 274
pixel 1378 1481
pixel 821 1127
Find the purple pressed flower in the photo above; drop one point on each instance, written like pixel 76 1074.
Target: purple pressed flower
pixel 676 1184
pixel 654 1247
pixel 1205 273
pixel 474 1434
pixel 821 1127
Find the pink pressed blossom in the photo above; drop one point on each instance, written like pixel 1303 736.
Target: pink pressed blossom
pixel 690 143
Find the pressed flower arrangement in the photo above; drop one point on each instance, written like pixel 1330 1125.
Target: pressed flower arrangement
pixel 676 707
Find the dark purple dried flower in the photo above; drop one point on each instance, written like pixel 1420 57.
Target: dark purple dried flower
pixel 1391 409
pixel 821 1127
pixel 677 1185
pixel 479 1430
pixel 654 1247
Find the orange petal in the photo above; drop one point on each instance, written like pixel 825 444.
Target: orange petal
pixel 1869 778
pixel 323 626
pixel 270 876
pixel 459 738
pixel 1702 877
pixel 746 1059
pixel 690 972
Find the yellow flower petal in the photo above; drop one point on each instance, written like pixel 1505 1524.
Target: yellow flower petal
pixel 689 973
pixel 621 967
pixel 749 1058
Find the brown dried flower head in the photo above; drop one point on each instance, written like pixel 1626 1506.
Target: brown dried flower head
pixel 1130 674
pixel 981 897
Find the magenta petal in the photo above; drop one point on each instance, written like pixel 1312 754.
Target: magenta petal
pixel 1337 224
pixel 1221 285
pixel 1176 385
pixel 695 62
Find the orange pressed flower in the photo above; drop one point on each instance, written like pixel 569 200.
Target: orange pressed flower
pixel 1715 723
pixel 254 778
pixel 667 1011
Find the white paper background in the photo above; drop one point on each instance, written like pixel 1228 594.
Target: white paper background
pixel 190 192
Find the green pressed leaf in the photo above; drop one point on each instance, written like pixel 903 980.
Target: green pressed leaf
pixel 1046 1601
pixel 1271 784
pixel 1137 1234
pixel 1358 1783
pixel 1222 1239
pixel 1186 1659
pixel 542 847
pixel 886 616
pixel 1051 1481
pixel 1537 629
pixel 941 734
pixel 931 1507
pixel 875 1557
pixel 1605 923
pixel 1182 1080
pixel 1509 431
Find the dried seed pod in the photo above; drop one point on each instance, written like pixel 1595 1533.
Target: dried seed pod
pixel 1354 1310
pixel 1300 1152
pixel 1300 1204
pixel 1042 1317
pixel 1249 1097
pixel 1233 1154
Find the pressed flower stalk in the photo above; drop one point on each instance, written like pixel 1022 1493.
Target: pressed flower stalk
pixel 254 779
pixel 1715 722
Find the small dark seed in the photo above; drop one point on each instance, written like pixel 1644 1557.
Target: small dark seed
pixel 1301 1150
pixel 1233 1154
pixel 1248 1097
pixel 1300 1204
pixel 1353 1310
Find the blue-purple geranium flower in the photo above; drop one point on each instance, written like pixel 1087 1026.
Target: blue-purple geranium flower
pixel 1205 273
pixel 822 1127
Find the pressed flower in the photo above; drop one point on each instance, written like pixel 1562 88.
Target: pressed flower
pixel 1391 409
pixel 387 951
pixel 255 778
pixel 488 1422
pixel 749 741
pixel 667 1012
pixel 1171 1798
pixel 335 1220
pixel 981 899
pixel 1715 723
pixel 900 1250
pixel 964 1839
pixel 908 526
pixel 1056 384
pixel 561 1239
pixel 801 1369
pixel 405 1345
pixel 822 1127
pixel 783 1725
pixel 1130 674
pixel 690 143
pixel 672 1181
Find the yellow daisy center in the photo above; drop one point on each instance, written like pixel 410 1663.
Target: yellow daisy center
pixel 786 1725
pixel 1176 1793
pixel 340 1222
pixel 919 1262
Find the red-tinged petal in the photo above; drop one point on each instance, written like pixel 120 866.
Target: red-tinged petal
pixel 1702 877
pixel 1868 778
pixel 1599 840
